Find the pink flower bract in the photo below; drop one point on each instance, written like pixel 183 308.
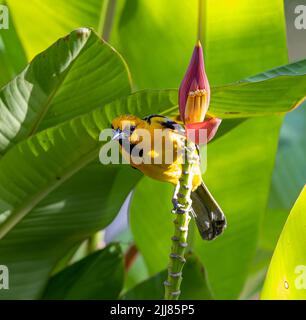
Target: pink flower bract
pixel 194 92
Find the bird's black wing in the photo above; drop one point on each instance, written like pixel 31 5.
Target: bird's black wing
pixel 166 123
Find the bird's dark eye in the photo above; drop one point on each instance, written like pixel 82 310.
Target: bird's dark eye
pixel 132 128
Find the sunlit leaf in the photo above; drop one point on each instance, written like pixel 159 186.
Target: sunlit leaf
pixel 243 38
pixel 40 23
pixel 55 86
pixel 151 222
pixel 276 91
pixel 286 277
pixel 240 39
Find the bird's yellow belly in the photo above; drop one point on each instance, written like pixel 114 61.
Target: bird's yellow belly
pixel 162 172
pixel 157 168
pixel 169 173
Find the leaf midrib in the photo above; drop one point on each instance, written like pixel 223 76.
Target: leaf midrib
pixel 18 213
pixel 47 104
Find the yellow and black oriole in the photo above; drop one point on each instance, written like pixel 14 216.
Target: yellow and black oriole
pixel 208 215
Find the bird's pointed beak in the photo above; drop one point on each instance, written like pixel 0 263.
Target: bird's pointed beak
pixel 117 135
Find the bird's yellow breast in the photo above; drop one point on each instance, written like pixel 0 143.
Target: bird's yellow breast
pixel 161 153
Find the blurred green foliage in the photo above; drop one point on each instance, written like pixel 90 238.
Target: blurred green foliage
pixel 79 281
pixel 54 194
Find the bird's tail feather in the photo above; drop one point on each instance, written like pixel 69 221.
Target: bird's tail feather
pixel 208 215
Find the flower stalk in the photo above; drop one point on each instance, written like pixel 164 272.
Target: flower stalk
pixel 182 206
pixel 194 99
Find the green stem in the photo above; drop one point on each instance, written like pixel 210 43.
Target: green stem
pixel 202 21
pixel 181 222
pixel 106 19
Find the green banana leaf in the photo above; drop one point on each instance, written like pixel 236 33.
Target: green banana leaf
pixel 64 16
pixel 288 178
pixel 289 175
pixel 256 275
pixel 12 55
pixel 151 222
pixel 58 85
pixel 286 277
pixel 275 91
pixel 49 81
pixel 52 156
pixel 85 204
pixel 79 281
pixel 236 44
pixel 290 161
pixel 239 173
pixel 243 38
pixel 266 42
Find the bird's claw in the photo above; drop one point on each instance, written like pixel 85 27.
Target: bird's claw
pixel 179 208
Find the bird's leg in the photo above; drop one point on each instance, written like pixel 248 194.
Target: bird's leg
pixel 180 208
pixel 177 206
pixel 174 198
pixel 192 156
